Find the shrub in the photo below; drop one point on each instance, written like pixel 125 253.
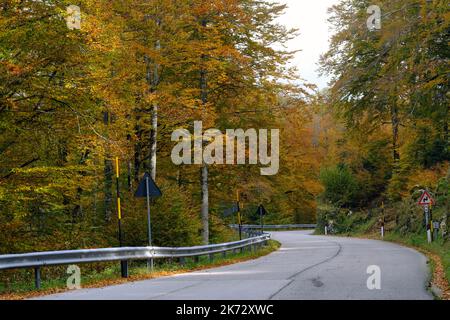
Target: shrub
pixel 341 187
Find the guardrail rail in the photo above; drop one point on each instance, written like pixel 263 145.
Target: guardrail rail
pixel 274 226
pixel 37 260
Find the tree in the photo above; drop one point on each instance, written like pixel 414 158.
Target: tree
pixel 394 76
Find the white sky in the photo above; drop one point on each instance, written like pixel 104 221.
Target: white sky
pixel 310 17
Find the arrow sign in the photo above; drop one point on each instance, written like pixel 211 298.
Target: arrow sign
pixel 153 190
pixel 426 199
pixel 148 189
pixel 261 211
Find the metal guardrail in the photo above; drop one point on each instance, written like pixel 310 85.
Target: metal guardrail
pixel 38 260
pixel 276 226
pixel 52 258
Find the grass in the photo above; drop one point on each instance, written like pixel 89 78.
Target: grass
pixel 22 286
pixel 438 248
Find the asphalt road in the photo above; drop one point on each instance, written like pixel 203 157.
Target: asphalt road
pixel 305 267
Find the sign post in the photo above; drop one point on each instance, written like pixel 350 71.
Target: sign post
pixel 426 201
pixel 261 212
pixel 149 222
pixel 147 188
pixel 261 217
pixel 239 214
pixel 436 226
pixel 427 222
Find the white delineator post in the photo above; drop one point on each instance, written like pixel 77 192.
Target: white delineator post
pixel 426 209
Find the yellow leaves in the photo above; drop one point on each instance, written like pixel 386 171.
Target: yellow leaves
pixel 98 104
pixel 427 177
pixel 434 83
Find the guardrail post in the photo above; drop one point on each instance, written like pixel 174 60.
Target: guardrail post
pixel 211 257
pixel 124 268
pixel 37 277
pixel 182 261
pixel 196 259
pixel 150 265
pixel 224 254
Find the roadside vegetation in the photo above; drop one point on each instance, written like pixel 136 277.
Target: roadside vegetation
pixel 385 123
pixel 72 101
pixel 404 223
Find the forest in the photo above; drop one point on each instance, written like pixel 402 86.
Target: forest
pixel 72 100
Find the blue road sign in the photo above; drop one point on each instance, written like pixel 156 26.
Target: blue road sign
pixel 153 191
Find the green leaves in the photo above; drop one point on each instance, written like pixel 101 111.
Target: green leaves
pixel 341 188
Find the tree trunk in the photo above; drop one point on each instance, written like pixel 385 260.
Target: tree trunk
pixel 445 129
pixel 129 176
pixel 395 129
pixel 204 169
pixel 153 141
pixel 108 172
pixel 108 189
pixel 153 81
pixel 205 204
pixel 137 153
pixel 78 210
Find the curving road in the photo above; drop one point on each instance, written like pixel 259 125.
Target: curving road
pixel 305 267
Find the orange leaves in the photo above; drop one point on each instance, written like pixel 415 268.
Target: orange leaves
pixel 12 68
pixel 427 177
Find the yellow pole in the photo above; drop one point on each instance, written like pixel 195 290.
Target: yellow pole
pixel 119 211
pixel 124 263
